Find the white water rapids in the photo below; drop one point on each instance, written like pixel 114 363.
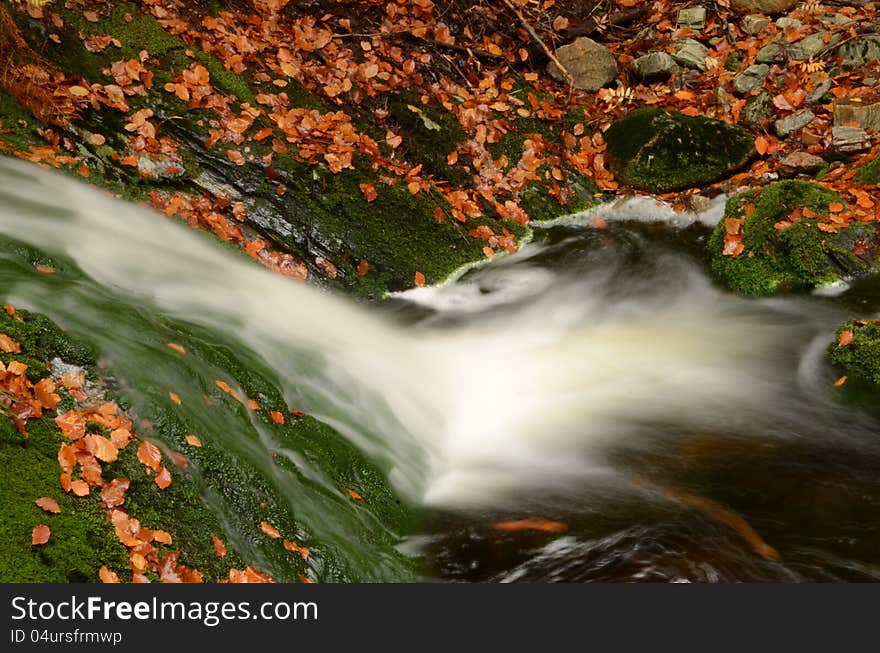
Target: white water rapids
pixel 539 371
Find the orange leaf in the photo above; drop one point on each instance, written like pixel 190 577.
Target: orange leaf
pixel 163 478
pixel 292 546
pixel 40 534
pixel 761 144
pixel 48 504
pixel 44 391
pixel 270 530
pixel 79 487
pixel 835 207
pixel 178 348
pixel 531 524
pixel 354 495
pixel 363 267
pixel 219 547
pixel 193 440
pixel 840 381
pixel 9 345
pixel 149 454
pixel 419 279
pixel 174 397
pixel 844 338
pixel 107 576
pixel 277 417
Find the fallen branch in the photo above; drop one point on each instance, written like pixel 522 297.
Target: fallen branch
pixel 617 19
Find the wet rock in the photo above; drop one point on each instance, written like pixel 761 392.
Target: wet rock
pixel 819 92
pixel 160 168
pixel 757 110
pixel 856 349
pixel 860 52
pixel 754 23
pixel 658 150
pixel 773 52
pixel 762 6
pixel 779 254
pixel 697 203
pixel 690 54
pixel 794 122
pixel 813 45
pixel 693 18
pixel 864 114
pixel 800 163
pixel 591 64
pixel 655 66
pixel 849 140
pixel 751 79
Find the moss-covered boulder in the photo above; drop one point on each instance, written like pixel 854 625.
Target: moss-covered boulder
pixel 857 349
pixel 659 150
pixel 783 248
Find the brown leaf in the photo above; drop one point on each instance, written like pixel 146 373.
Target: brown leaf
pixel 40 534
pixel 193 440
pixel 163 478
pixel 48 504
pixel 149 454
pixel 9 345
pixel 844 338
pixel 178 348
pixel 531 524
pixel 219 547
pixel 113 493
pixel 269 530
pixel 107 576
pixel 296 548
pixel 79 487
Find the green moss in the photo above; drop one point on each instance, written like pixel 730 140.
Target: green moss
pixel 861 357
pixel 659 150
pixel 794 258
pixel 869 173
pixel 757 110
pixel 542 207
pixel 42 340
pixel 82 538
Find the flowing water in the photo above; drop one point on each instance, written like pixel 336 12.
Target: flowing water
pixel 596 379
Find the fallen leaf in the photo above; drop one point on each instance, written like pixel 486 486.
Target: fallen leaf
pixel 48 504
pixel 107 576
pixel 269 530
pixel 178 348
pixel 163 478
pixel 219 547
pixel 149 454
pixel 193 440
pixel 530 524
pixel 844 338
pixel 40 534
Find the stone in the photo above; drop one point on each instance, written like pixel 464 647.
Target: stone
pixel 869 82
pixel 654 66
pixel 836 20
pixel 819 92
pixel 757 110
pixel 860 52
pixel 693 18
pixel 690 54
pixel 785 21
pixel 794 122
pixel 658 150
pixel 813 45
pixel 810 137
pixel 160 168
pixel 773 52
pixel 768 7
pixel 697 203
pixel 591 64
pixel 849 140
pixel 754 24
pixel 751 79
pixel 800 163
pixel 850 110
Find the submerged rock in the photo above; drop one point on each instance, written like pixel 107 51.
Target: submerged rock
pixel 856 349
pixel 591 64
pixel 785 254
pixel 658 150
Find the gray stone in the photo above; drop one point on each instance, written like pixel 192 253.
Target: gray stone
pixel 762 6
pixel 773 52
pixel 848 140
pixel 591 64
pixel 794 122
pixel 813 45
pixel 757 110
pixel 690 54
pixel 869 81
pixel 754 23
pixel 865 114
pixel 819 92
pixel 836 20
pixel 861 51
pixel 692 18
pixel 160 168
pixel 656 65
pixel 800 163
pixel 785 21
pixel 751 79
pixel 697 203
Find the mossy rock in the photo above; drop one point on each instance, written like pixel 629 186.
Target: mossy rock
pixel 659 150
pixel 861 357
pixel 798 257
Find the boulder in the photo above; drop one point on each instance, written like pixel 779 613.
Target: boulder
pixel 768 7
pixel 813 45
pixel 773 52
pixel 591 64
pixel 692 18
pixel 758 248
pixel 655 66
pixel 860 51
pixel 856 350
pixel 753 24
pixel 659 150
pixel 794 122
pixel 751 79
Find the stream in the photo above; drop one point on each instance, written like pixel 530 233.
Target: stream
pixel 652 425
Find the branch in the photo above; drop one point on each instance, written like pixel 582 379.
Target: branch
pixel 539 41
pixel 617 19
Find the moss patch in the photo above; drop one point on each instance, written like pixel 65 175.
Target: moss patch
pixel 797 257
pixel 861 357
pixel 659 150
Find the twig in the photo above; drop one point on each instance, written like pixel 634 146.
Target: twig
pixel 540 41
pixel 616 19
